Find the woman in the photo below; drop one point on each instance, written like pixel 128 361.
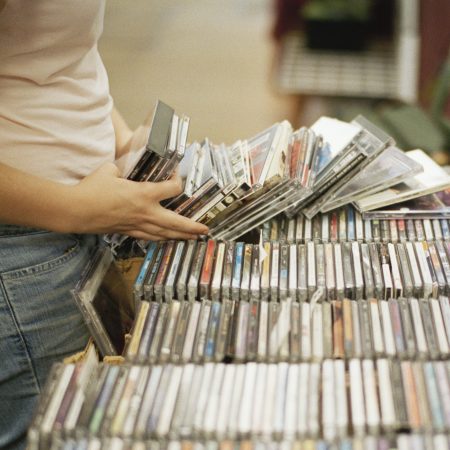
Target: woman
pixel 59 188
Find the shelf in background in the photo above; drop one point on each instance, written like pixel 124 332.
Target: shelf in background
pixel 370 74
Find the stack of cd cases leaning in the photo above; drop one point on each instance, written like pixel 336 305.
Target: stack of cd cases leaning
pixel 233 189
pixel 158 160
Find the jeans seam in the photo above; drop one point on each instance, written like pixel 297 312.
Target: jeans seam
pixel 20 334
pixel 13 234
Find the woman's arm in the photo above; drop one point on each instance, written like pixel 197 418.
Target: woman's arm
pixel 103 202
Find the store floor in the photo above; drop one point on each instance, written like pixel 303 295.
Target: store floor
pixel 209 59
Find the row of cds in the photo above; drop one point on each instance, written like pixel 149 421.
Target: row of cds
pixel 235 270
pixel 343 323
pixel 206 331
pixel 346 224
pixel 401 441
pixel 330 400
pixel 318 169
pixel 233 189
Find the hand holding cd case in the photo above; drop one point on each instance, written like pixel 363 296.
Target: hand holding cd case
pixel 158 160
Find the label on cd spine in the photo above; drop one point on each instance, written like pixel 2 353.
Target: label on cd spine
pixel 349 281
pixel 376 270
pixel 237 270
pixel 246 273
pixel 369 290
pixel 194 276
pixel 169 288
pixel 408 286
pixel 255 275
pixel 408 329
pixel 359 282
pixel 202 329
pixel 180 332
pixel 228 271
pixel 212 333
pixel 263 330
pixel 339 271
pixel 393 231
pixel 163 271
pixel 330 280
pixel 302 281
pixel 342 225
pixel 265 275
pixel 284 272
pixel 184 272
pixel 385 231
pixel 274 273
pixel 218 269
pixel 252 332
pixel 311 268
pixel 396 278
pixel 207 270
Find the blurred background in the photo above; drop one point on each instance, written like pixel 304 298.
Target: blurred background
pixel 238 66
pixel 209 59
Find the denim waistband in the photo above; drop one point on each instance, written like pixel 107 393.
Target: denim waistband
pixel 19 230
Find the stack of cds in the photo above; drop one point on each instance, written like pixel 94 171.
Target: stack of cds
pixel 165 147
pixel 330 401
pixel 181 332
pixel 159 159
pixel 277 366
pixel 325 329
pixel 190 270
pixel 234 189
pixel 346 224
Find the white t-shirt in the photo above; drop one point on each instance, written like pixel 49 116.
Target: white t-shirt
pixel 55 107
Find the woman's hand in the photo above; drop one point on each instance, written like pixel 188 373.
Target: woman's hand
pixel 106 203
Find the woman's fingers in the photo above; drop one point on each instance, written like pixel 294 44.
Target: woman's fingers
pixel 166 189
pixel 142 235
pixel 170 220
pixel 159 233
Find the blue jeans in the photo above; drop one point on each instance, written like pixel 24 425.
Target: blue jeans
pixel 39 321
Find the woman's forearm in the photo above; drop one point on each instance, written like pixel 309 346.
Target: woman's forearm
pixel 33 201
pixel 103 202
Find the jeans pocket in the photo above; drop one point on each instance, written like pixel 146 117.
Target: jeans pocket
pixel 39 320
pixel 34 254
pixel 39 298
